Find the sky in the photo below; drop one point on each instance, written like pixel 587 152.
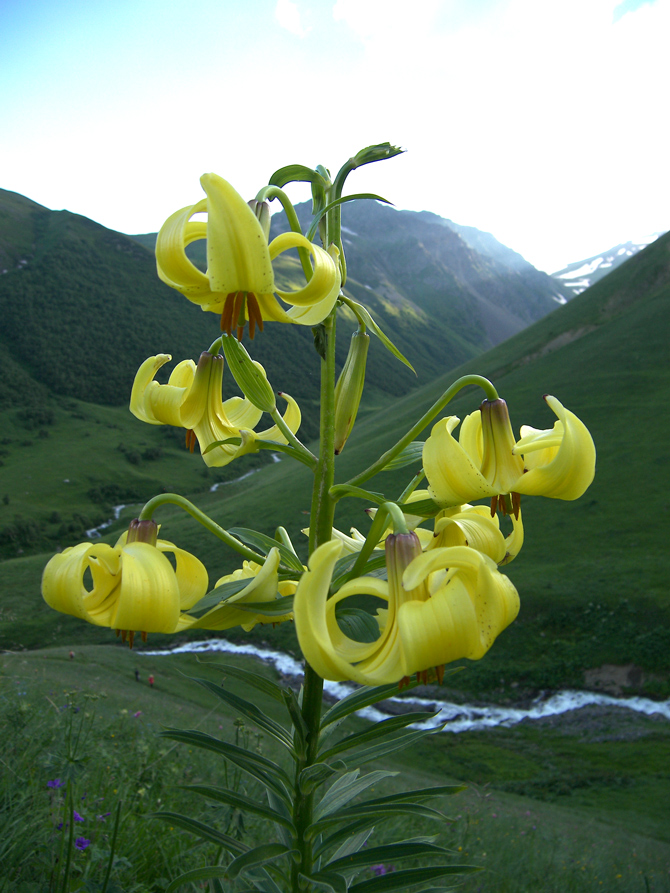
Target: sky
pixel 542 122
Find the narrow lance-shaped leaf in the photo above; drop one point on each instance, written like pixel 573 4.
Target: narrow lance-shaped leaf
pixel 255 680
pixel 261 768
pixel 413 452
pixel 276 608
pixel 383 748
pixel 240 801
pixel 265 543
pixel 363 697
pixel 377 730
pixel 410 877
pixel 346 788
pixel 391 852
pixel 266 852
pixel 328 881
pixel 251 711
pixel 376 811
pixel 200 829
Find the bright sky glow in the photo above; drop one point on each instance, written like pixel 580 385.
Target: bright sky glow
pixel 543 123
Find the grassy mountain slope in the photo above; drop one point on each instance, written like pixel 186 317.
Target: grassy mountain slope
pixel 593 573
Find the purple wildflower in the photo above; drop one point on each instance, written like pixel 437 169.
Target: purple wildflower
pixel 77 817
pixel 56 783
pixel 378 870
pixel 135 715
pixel 81 843
pixel 103 817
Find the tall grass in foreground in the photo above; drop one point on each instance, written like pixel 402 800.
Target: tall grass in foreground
pixel 106 756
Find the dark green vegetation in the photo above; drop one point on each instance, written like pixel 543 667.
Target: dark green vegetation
pixel 593 579
pixel 575 807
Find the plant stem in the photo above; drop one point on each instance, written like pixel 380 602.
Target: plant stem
pixel 321 525
pixel 425 419
pixel 212 526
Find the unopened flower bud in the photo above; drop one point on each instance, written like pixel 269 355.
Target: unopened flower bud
pixel 249 375
pixel 262 212
pixel 349 388
pixel 143 532
pixel 501 468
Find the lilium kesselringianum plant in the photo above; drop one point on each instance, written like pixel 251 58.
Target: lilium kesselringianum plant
pixel 130 586
pixel 262 585
pixel 442 605
pixel 487 462
pixel 192 399
pixel 239 283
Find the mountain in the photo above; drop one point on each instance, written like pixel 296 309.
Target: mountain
pixel 578 276
pixel 417 260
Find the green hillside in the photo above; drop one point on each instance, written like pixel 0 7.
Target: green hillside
pixel 593 574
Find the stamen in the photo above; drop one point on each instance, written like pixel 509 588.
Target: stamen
pixel 124 635
pixel 494 506
pixel 143 634
pixel 439 672
pixel 516 504
pixel 131 637
pixel 238 313
pixel 403 682
pixel 190 439
pixel 227 313
pixel 254 311
pixel 118 633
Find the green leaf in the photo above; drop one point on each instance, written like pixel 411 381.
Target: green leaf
pixel 325 880
pixel 255 680
pixel 267 852
pixel 300 726
pixel 197 874
pixel 276 608
pixel 413 452
pixel 352 844
pixel 340 201
pixel 250 380
pixel 409 877
pixel 360 826
pixel 346 788
pixel 377 730
pixel 424 507
pixel 261 768
pixel 343 567
pixel 362 697
pixel 392 851
pixel 375 811
pixel 240 801
pixel 340 490
pixel 357 624
pixel 421 794
pixel 200 829
pixel 265 543
pixel 377 751
pixel 217 596
pixel 296 173
pixel 251 711
pixel 316 774
pixel 388 344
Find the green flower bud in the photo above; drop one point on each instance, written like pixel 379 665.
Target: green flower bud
pixel 262 212
pixel 349 388
pixel 249 375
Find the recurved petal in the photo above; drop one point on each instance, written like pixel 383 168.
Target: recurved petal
pixel 63 585
pixel 325 274
pixel 472 527
pixel 148 598
pixel 564 466
pixel 238 258
pixel 174 267
pixel 191 574
pixel 292 418
pixel 144 377
pixel 309 611
pixel 453 478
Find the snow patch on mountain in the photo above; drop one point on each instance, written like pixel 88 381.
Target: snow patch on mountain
pixel 579 276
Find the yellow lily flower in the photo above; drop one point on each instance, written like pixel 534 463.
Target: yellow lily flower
pixel 442 605
pixel 192 399
pixel 264 586
pixel 239 282
pixel 486 461
pixel 130 586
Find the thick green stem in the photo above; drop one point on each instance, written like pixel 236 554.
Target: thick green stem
pixel 321 525
pixel 202 518
pixel 425 419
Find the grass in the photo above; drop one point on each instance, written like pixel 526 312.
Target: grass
pixel 563 809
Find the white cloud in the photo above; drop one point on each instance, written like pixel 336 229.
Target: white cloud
pixel 287 15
